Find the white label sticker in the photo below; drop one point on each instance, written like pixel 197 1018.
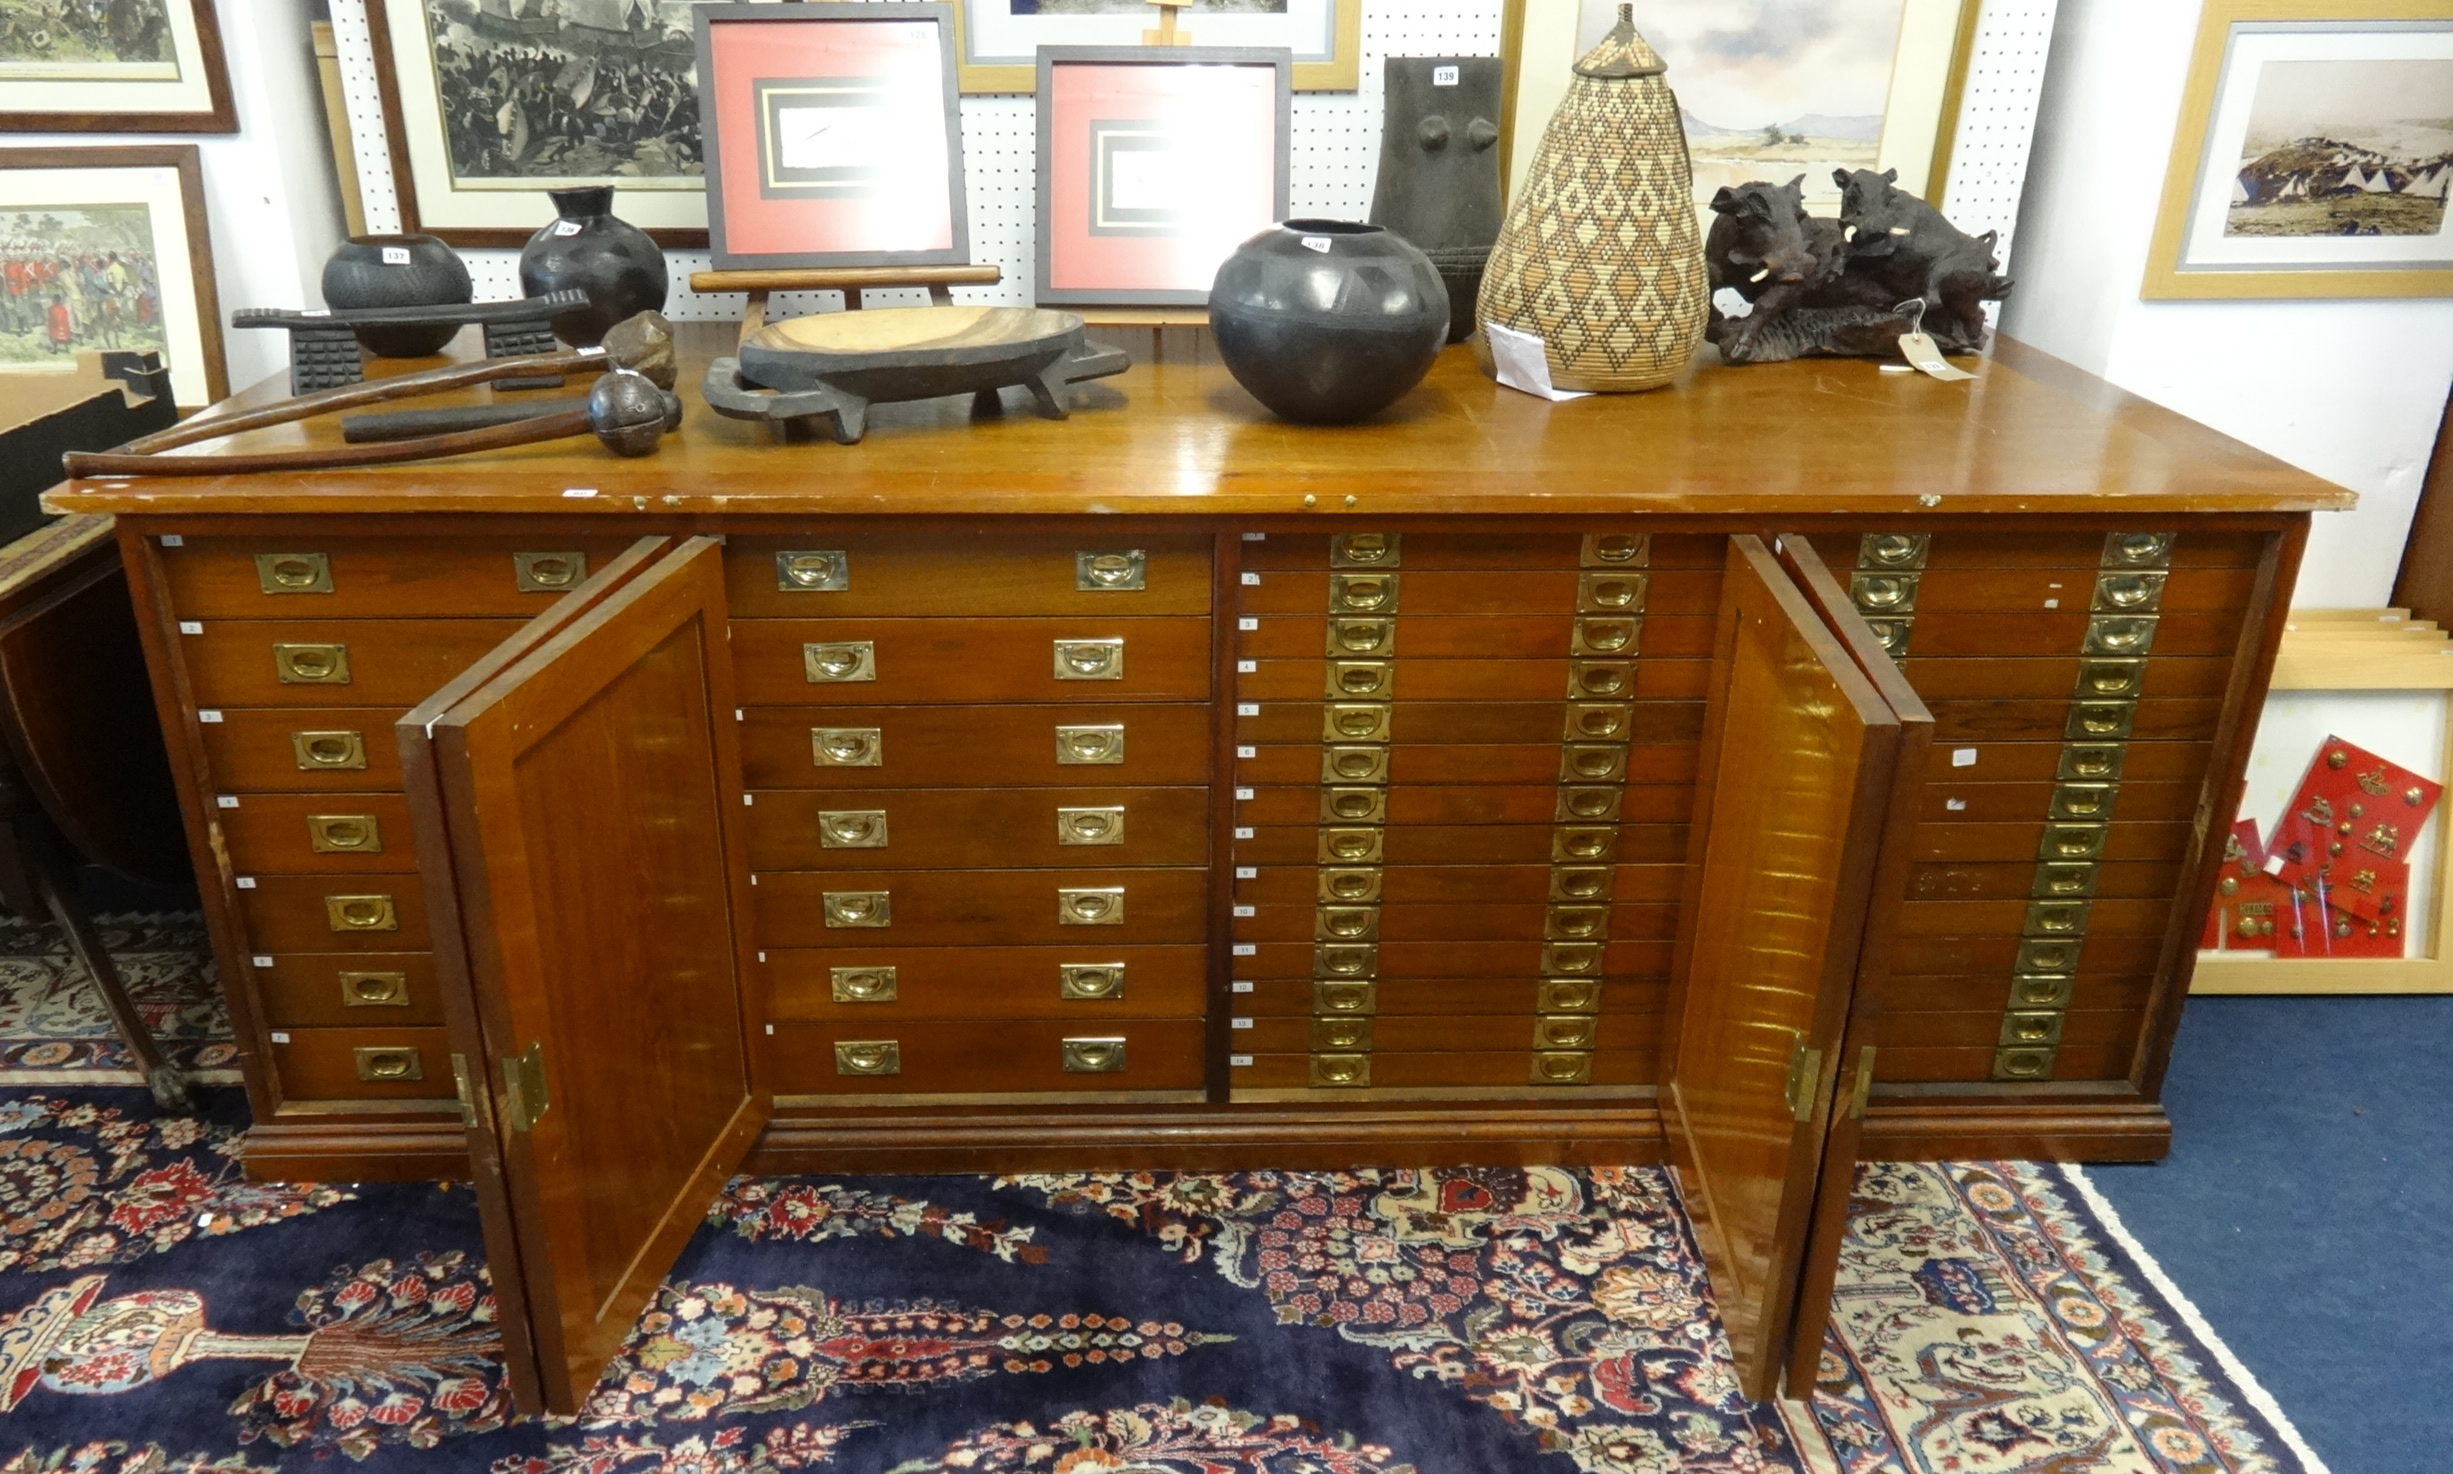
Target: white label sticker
pixel 1955 805
pixel 1239 987
pixel 1239 1023
pixel 395 255
pixel 1320 243
pixel 1256 537
pixel 753 877
pixel 1251 580
pixel 1242 794
pixel 568 227
pixel 579 491
pixel 770 1028
pixel 191 626
pixel 246 882
pixel 1443 76
pixel 1245 911
pixel 1247 872
pixel 208 716
pixel 1242 667
pixel 1247 752
pixel 1240 1061
pixel 1963 757
pixel 748 799
pixel 261 960
pixel 173 540
pixel 1243 832
pixel 1247 622
pixel 226 800
pixel 2052 603
pixel 316 312
pixel 280 1038
pixel 1247 708
pixel 1247 949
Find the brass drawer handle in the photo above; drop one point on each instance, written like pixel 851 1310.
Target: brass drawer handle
pixel 2129 593
pixel 2030 1028
pixel 1354 885
pixel 1366 549
pixel 2072 842
pixel 548 573
pixel 2138 549
pixel 2119 634
pixel 1566 1031
pixel 2046 954
pixel 1581 882
pixel 859 908
pixel 1583 762
pixel 1892 635
pixel 2055 919
pixel 1344 997
pixel 361 913
pixel 1121 571
pixel 1351 846
pixel 868 1057
pixel 328 751
pixel 374 990
pixel 1583 844
pixel 2090 762
pixel 1345 961
pixel 2106 678
pixel 1090 746
pixel 1362 636
pixel 863 984
pixel 1567 995
pixel 1363 593
pixel 1353 805
pixel 1090 660
pixel 846 747
pixel 852 829
pixel 1090 905
pixel 344 834
pixel 813 571
pixel 1893 549
pixel 1341 1071
pixel 311 665
pixel 1615 550
pixel 839 661
pixel 1342 1034
pixel 1348 923
pixel 1612 593
pixel 1360 680
pixel 1354 765
pixel 1559 1067
pixel 1102 824
pixel 1606 636
pixel 2083 802
pixel 294 573
pixel 2064 879
pixel 1598 721
pixel 1589 680
pixel 1090 981
pixel 2023 1064
pixel 1358 721
pixel 386 1064
pixel 1883 593
pixel 1591 804
pixel 2040 990
pixel 2100 721
pixel 1573 959
pixel 1576 922
pixel 1094 1056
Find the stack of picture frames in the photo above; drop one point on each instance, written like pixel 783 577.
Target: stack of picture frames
pixel 105 247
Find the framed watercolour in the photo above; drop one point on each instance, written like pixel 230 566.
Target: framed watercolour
pixel 1155 163
pixel 997 41
pixel 834 135
pixel 2313 153
pixel 107 248
pixel 132 66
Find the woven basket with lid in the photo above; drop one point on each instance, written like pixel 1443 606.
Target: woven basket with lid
pixel 1601 255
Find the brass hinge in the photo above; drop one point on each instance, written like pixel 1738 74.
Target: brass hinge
pixel 524 1098
pixel 460 1087
pixel 1805 1068
pixel 1865 1084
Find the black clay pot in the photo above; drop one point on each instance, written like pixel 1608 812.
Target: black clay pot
pixel 397 271
pixel 1327 321
pixel 613 261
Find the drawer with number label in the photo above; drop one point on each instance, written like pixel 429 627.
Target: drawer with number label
pixel 392 663
pixel 1520 997
pixel 2002 954
pixel 371 1063
pixel 333 913
pixel 320 577
pixel 947 908
pixel 1386 1033
pixel 1408 592
pixel 1072 982
pixel 346 989
pixel 1404 766
pixel 850 570
pixel 1462 803
pixel 939 1057
pixel 1317 960
pixel 1318 1076
pixel 1333 883
pixel 1148 745
pixel 314 834
pixel 292 749
pixel 1460 844
pixel 989 828
pixel 868 662
pixel 1474 636
pixel 1555 679
pixel 2156 678
pixel 1461 922
pixel 1440 723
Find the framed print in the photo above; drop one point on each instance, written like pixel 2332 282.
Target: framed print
pixel 835 135
pixel 131 66
pixel 997 41
pixel 1155 163
pixel 489 104
pixel 107 248
pixel 2313 152
pixel 1870 84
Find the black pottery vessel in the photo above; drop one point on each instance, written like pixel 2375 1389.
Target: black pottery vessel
pixel 611 260
pixel 397 271
pixel 1327 321
pixel 1439 168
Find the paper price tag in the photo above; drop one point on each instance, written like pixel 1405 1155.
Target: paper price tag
pixel 1919 349
pixel 1318 243
pixel 1443 76
pixel 1523 363
pixel 1239 987
pixel 568 227
pixel 395 255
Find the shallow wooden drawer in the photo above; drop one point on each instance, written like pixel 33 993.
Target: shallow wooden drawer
pixel 885 661
pixel 1438 723
pixel 1494 549
pixel 936 1057
pixel 1965 880
pixel 1468 637
pixel 334 913
pixel 2122 840
pixel 1445 923
pixel 2043 761
pixel 372 1063
pixel 319 577
pixel 1914 1029
pixel 1461 884
pixel 393 663
pixel 1947 802
pixel 1511 1071
pixel 1477 958
pixel 1530 766
pixel 1997 955
pixel 965 571
pixel 314 834
pixel 2078 551
pixel 2112 918
pixel 2165 678
pixel 1973 1064
pixel 1518 997
pixel 276 749
pixel 944 908
pixel 2049 719
pixel 986 746
pixel 1305 802
pixel 1385 1034
pixel 347 989
pixel 1091 983
pixel 2062 632
pixel 1479 591
pixel 955 828
pixel 1458 844
pixel 2022 589
pixel 1642 679
pixel 1913 993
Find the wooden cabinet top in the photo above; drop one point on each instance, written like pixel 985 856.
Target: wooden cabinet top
pixel 2030 435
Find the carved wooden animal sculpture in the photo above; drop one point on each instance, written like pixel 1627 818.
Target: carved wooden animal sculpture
pixel 1900 248
pixel 1766 248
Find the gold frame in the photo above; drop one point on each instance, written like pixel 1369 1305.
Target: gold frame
pixel 1342 72
pixel 2166 279
pixel 2358 650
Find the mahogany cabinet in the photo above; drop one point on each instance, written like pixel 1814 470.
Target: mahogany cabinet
pixel 1801 764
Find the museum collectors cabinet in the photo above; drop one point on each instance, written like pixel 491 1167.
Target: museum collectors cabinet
pixel 1798 764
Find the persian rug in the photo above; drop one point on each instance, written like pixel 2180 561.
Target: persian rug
pixel 53 1030
pixel 160 1314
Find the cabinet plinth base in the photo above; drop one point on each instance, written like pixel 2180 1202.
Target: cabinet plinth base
pixel 356 1149
pixel 2124 1130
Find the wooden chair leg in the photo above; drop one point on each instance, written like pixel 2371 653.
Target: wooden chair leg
pixel 170 1088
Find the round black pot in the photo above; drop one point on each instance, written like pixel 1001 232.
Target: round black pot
pixel 433 276
pixel 1328 321
pixel 613 261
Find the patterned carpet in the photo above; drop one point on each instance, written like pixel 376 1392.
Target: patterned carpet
pixel 158 1313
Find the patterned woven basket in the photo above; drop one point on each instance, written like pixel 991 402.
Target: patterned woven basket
pixel 1601 256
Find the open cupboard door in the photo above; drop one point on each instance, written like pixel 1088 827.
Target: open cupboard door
pixel 1799 757
pixel 583 781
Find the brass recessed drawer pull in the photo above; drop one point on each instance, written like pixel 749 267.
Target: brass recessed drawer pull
pixel 1120 571
pixel 2100 721
pixel 1892 634
pixel 1351 846
pixel 1354 765
pixel 852 829
pixel 859 908
pixel 1355 884
pixel 2083 802
pixel 2138 549
pixel 1560 1067
pixel 868 1057
pixel 2129 593
pixel 311 665
pixel 1332 961
pixel 294 573
pixel 1353 806
pixel 2072 842
pixel 2090 762
pixel 2056 919
pixel 1583 762
pixel 1366 549
pixel 1344 997
pixel 1342 1034
pixel 2060 878
pixel 1341 1071
pixel 846 747
pixel 548 573
pixel 1567 995
pixel 1363 593
pixel 1347 924
pixel 1581 882
pixel 344 834
pixel 1094 1056
pixel 1883 593
pixel 1565 1031
pixel 374 989
pixel 1359 721
pixel 840 661
pixel 1362 635
pixel 1090 660
pixel 2046 954
pixel 1360 680
pixel 1090 746
pixel 863 984
pixel 1091 905
pixel 2030 1027
pixel 1583 844
pixel 2119 634
pixel 1612 593
pixel 1615 550
pixel 1576 921
pixel 2040 990
pixel 385 1064
pixel 1892 549
pixel 1103 824
pixel 1589 804
pixel 1090 981
pixel 1603 680
pixel 813 571
pixel 1598 721
pixel 361 913
pixel 1577 959
pixel 328 751
pixel 1606 636
pixel 2108 677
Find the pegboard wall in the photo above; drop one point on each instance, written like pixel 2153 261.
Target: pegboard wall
pixel 1335 144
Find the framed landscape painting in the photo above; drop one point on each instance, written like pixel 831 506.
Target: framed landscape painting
pixel 125 66
pixel 997 41
pixel 2313 156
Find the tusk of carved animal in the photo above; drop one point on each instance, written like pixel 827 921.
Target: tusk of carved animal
pixel 1758 276
pixel 1900 230
pixel 1849 231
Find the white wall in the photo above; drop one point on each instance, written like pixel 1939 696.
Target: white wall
pixel 2349 390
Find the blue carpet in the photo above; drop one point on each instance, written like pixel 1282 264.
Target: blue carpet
pixel 2307 1208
